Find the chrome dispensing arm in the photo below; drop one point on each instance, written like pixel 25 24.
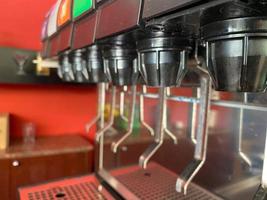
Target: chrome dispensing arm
pixel 101 132
pixel 243 156
pixel 101 109
pixel 142 118
pixel 90 124
pixel 159 134
pixel 122 97
pixel 115 145
pixel 101 100
pixel 194 119
pixel 202 134
pixel 261 194
pixel 167 131
pixel 170 134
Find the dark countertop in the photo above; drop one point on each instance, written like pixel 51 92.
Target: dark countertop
pixel 51 145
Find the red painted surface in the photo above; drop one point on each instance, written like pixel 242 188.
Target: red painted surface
pixel 53 109
pixel 21 22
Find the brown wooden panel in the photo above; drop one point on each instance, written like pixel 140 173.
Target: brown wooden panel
pixel 4 179
pixel 34 170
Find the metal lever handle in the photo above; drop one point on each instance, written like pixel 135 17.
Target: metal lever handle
pixel 171 135
pixel 101 88
pixel 99 156
pixel 142 118
pixel 159 134
pixel 194 119
pixel 90 124
pixel 261 194
pixel 167 131
pixel 115 145
pixel 101 132
pixel 202 135
pixel 243 156
pixel 122 97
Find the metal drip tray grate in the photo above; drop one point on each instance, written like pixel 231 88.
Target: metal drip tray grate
pixel 157 183
pixel 83 188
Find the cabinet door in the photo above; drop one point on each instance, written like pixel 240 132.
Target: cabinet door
pixel 35 170
pixel 4 179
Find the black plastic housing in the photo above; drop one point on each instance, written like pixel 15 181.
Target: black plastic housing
pixel 95 64
pixel 162 56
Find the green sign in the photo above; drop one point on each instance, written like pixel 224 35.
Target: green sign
pixel 81 6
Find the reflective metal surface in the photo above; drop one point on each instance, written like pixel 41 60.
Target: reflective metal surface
pixel 224 171
pixel 156 183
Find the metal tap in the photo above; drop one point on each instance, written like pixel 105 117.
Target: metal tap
pixel 101 132
pixel 142 118
pixel 115 145
pixel 122 98
pixel 168 132
pixel 101 99
pixel 194 119
pixel 201 136
pixel 101 109
pixel 160 130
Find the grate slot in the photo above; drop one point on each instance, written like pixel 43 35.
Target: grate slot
pixel 84 188
pixel 157 183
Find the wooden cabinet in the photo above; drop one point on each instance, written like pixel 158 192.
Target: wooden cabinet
pixel 4 179
pixel 49 159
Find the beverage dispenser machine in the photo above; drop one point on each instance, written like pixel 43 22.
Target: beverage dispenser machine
pixel 181 94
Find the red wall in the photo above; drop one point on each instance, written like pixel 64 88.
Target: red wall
pixel 21 22
pixel 53 109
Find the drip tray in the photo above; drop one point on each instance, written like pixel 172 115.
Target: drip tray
pixel 83 188
pixel 157 183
